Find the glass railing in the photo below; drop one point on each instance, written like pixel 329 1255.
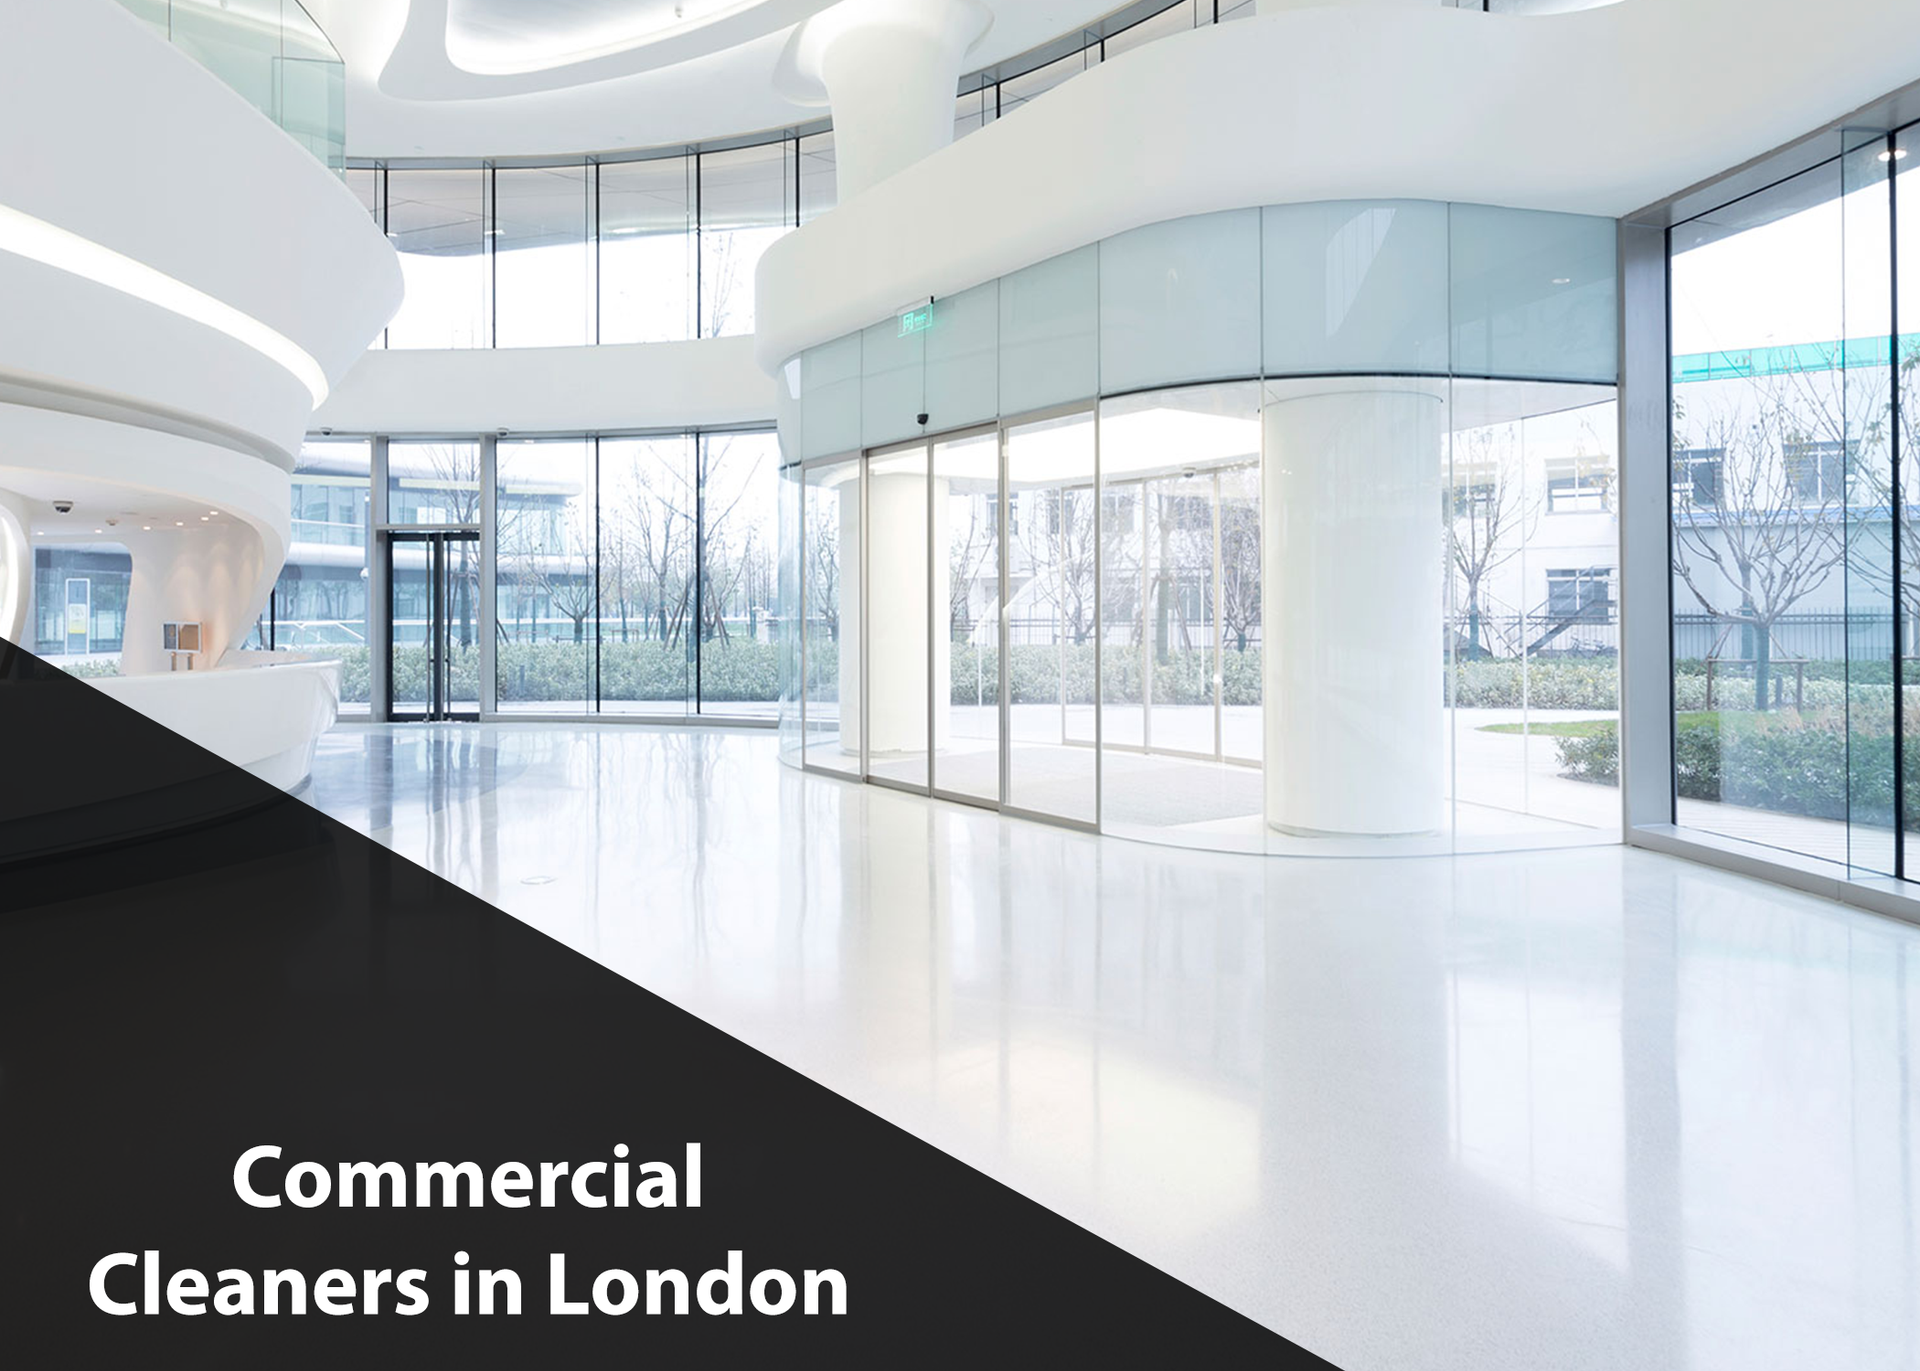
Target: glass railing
pixel 273 54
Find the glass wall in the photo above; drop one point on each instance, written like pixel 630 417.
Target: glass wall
pixel 1362 604
pixel 649 513
pixel 659 248
pixel 545 559
pixel 1792 491
pixel 438 222
pixel 542 279
pixel 319 602
pixel 649 257
pixel 748 199
pixel 79 612
pixel 273 55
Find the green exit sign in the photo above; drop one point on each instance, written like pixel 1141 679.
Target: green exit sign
pixel 916 320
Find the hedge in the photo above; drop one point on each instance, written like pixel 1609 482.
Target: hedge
pixel 1784 762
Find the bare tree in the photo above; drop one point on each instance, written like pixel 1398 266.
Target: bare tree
pixel 1775 526
pixel 1490 515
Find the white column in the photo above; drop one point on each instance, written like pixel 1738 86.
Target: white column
pixel 893 628
pixel 1355 728
pixel 889 70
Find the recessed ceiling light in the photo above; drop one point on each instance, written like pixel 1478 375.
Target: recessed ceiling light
pixel 179 523
pixel 1563 280
pixel 99 530
pixel 146 528
pixel 203 518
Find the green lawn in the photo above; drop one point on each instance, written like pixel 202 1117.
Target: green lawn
pixel 1566 728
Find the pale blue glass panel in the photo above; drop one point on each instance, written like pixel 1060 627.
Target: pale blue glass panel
pixel 830 397
pixel 1049 332
pixel 1533 295
pixel 892 379
pixel 1179 302
pixel 963 364
pixel 1355 285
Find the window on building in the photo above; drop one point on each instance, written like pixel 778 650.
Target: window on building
pixel 1696 478
pixel 1579 485
pixel 1816 469
pixel 1584 593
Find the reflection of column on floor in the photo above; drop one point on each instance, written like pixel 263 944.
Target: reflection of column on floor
pixel 894 627
pixel 1354 726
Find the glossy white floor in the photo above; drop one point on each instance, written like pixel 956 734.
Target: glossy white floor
pixel 1594 1108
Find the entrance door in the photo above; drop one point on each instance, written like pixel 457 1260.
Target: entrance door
pixel 433 650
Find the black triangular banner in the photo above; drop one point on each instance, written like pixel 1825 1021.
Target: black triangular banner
pixel 193 964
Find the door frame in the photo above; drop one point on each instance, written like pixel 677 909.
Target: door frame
pixel 435 538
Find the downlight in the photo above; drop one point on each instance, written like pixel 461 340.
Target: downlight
pixel 38 241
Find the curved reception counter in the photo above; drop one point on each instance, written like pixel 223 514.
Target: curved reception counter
pixel 264 713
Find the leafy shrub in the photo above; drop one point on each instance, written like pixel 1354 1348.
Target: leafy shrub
pixel 1785 762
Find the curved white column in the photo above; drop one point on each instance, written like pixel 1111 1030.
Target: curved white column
pixel 1355 731
pixel 888 69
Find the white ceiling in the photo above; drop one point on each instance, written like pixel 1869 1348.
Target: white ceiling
pixel 709 76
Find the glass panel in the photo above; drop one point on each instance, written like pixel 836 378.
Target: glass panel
pixel 410 607
pixel 746 203
pixel 830 591
pixel 1758 497
pixel 898 616
pixel 1049 333
pixel 787 624
pixel 462 591
pixel 433 483
pixel 540 258
pixel 1355 285
pixel 739 628
pixel 1859 430
pixel 80 605
pixel 893 378
pixel 1906 529
pixel 966 474
pixel 962 359
pixel 1174 19
pixel 648 251
pixel 1181 609
pixel 1533 294
pixel 437 222
pixel 973 111
pixel 320 600
pixel 819 177
pixel 830 387
pixel 1175 303
pixel 1532 548
pixel 1051 551
pixel 545 578
pixel 1016 91
pixel 647 513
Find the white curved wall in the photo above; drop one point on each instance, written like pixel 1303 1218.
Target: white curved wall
pixel 703 383
pixel 217 573
pixel 1597 112
pixel 182 281
pixel 117 136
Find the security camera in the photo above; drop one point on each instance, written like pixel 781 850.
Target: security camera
pixel 326 433
pixel 63 506
pixel 503 432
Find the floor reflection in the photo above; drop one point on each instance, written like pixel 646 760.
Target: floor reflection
pixel 1592 1108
